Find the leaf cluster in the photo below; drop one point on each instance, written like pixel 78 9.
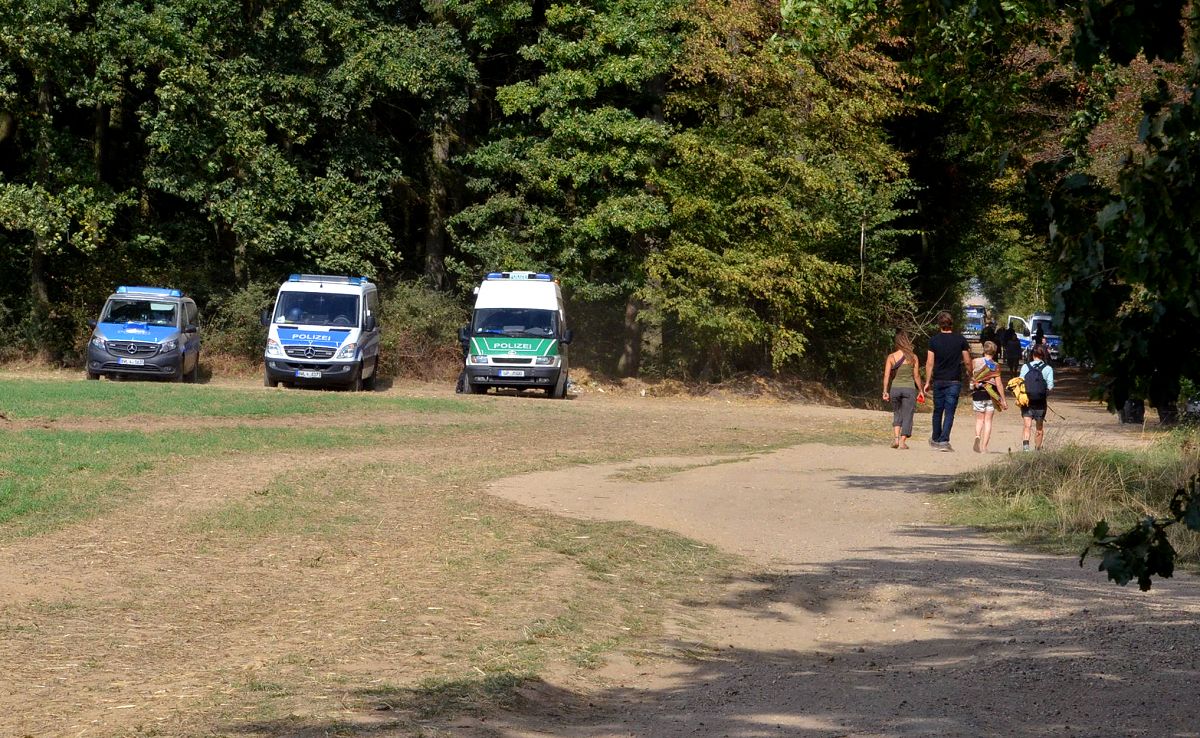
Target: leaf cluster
pixel 1143 552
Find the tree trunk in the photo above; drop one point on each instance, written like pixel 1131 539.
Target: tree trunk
pixel 39 290
pixel 229 243
pixel 631 353
pixel 98 140
pixel 438 193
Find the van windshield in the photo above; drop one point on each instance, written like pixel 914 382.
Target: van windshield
pixel 1044 324
pixel 139 311
pixel 515 322
pixel 317 308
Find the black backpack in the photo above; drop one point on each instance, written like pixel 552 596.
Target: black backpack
pixel 1035 382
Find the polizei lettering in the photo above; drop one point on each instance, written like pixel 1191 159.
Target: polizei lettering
pixel 309 337
pixel 511 346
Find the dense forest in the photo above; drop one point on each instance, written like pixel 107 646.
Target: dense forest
pixel 721 185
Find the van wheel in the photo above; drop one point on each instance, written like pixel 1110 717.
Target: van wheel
pixel 190 377
pixel 356 382
pixel 93 375
pixel 267 381
pixel 368 384
pixel 471 389
pixel 178 376
pixel 559 390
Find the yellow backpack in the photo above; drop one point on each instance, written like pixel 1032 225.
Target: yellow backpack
pixel 1016 386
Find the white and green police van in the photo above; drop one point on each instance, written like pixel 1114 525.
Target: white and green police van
pixel 518 335
pixel 323 331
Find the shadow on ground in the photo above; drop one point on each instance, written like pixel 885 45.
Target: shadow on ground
pixel 1016 644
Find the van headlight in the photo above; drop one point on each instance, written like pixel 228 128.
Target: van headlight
pixel 479 359
pixel 168 345
pixel 347 351
pixel 546 360
pixel 98 341
pixel 273 348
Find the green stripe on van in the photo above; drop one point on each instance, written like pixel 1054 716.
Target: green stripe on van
pixel 504 346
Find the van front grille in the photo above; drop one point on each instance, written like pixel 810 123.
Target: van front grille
pixel 309 352
pixel 512 360
pixel 132 348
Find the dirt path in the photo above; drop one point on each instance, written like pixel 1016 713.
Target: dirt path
pixel 871 620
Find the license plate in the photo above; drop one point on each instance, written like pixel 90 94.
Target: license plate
pixel 306 374
pixel 131 362
pixel 512 372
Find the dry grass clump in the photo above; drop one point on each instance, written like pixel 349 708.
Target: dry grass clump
pixel 1056 497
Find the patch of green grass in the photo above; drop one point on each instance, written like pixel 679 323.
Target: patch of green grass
pixel 53 477
pixel 54 400
pixel 657 473
pixel 1053 499
pixel 297 508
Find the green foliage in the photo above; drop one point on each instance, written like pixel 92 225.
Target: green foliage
pixel 565 185
pixel 777 177
pixel 420 333
pixel 1130 263
pixel 234 326
pixel 1143 551
pixel 769 185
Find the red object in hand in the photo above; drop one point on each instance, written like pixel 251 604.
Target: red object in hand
pixel 921 398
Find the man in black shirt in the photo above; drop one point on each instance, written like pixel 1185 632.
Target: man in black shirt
pixel 947 352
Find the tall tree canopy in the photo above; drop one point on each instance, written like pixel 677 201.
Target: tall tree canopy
pixel 745 185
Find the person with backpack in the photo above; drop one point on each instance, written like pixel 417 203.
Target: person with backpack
pixel 1039 381
pixel 948 353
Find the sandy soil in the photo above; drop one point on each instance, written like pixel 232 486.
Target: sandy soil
pixel 868 619
pixel 856 614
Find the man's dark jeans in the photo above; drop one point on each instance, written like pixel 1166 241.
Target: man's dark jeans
pixel 945 402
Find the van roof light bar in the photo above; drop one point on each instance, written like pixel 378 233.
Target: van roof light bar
pixel 540 276
pixel 156 291
pixel 332 279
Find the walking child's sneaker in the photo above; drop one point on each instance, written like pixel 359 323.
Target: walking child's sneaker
pixel 975 448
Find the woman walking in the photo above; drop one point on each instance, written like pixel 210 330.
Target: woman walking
pixel 900 383
pixel 986 392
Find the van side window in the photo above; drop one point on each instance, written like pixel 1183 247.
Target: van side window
pixel 373 304
pixel 192 315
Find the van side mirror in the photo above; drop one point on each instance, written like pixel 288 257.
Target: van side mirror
pixel 191 329
pixel 464 334
pixel 370 323
pixel 91 323
pixel 265 317
pixel 567 336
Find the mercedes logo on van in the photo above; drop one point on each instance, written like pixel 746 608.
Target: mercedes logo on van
pixel 132 349
pixel 309 353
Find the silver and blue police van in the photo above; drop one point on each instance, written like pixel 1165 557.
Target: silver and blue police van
pixel 323 331
pixel 146 331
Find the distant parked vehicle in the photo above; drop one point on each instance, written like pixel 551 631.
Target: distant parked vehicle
pixel 974 316
pixel 146 331
pixel 1027 329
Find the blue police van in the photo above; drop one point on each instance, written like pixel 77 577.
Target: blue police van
pixel 148 332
